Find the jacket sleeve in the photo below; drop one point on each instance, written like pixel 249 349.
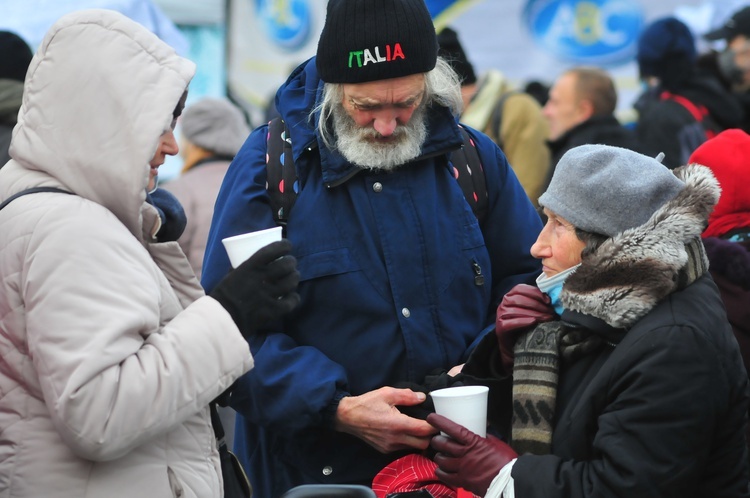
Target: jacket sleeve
pixel 511 227
pixel 524 133
pixel 111 372
pixel 294 385
pixel 657 428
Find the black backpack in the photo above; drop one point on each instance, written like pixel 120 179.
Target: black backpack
pixel 693 134
pixel 282 175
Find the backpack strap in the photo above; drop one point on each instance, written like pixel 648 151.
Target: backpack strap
pixel 698 111
pixel 33 190
pixel 469 173
pixel 282 183
pixel 496 119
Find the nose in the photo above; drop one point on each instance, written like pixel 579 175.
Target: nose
pixel 385 123
pixel 541 249
pixel 546 111
pixel 170 144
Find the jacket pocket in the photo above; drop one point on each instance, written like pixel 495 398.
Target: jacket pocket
pixel 326 263
pixel 174 484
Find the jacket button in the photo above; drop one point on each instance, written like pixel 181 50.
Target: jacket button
pixel 377 187
pixel 327 470
pixel 406 312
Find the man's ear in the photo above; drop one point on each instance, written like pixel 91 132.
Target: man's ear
pixel 585 109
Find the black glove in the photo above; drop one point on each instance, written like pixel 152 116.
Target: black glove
pixel 261 289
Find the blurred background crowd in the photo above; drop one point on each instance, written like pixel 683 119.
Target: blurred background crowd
pixel 244 49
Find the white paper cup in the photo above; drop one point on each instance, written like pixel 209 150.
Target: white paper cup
pixel 241 247
pixel 464 405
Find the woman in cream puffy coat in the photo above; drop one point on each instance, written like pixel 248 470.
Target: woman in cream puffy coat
pixel 109 351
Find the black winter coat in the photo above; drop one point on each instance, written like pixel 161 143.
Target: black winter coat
pixel 604 130
pixel 660 410
pixel 664 125
pixel 660 415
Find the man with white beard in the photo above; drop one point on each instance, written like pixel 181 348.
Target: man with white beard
pixel 399 278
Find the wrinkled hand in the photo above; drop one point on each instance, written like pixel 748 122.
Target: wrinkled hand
pixel 466 460
pixel 374 418
pixel 261 289
pixel 523 307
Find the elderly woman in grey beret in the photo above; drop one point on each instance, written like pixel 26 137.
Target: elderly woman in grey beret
pixel 626 379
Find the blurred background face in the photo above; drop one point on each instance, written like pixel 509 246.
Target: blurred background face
pixel 740 48
pixel 563 110
pixel 557 246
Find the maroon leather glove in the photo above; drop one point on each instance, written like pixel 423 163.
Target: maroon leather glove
pixel 466 460
pixel 523 307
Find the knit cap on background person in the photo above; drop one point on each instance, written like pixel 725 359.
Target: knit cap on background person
pixel 451 50
pixel 606 190
pixel 666 50
pixel 15 57
pixel 216 125
pixel 728 156
pixel 373 40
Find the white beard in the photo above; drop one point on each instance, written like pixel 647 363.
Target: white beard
pixel 358 145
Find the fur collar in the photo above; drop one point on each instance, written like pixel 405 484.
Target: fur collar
pixel 631 272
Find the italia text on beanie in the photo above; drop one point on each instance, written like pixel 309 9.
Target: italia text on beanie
pixel 371 40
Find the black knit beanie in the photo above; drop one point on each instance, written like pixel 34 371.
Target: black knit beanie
pixel 371 40
pixel 666 49
pixel 452 51
pixel 15 56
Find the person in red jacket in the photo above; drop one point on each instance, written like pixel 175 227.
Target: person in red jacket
pixel 727 237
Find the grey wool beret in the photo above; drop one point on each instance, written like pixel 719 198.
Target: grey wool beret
pixel 216 125
pixel 607 190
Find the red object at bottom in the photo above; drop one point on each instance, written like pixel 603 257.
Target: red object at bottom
pixel 414 472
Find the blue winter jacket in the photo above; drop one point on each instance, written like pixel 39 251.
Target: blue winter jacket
pixel 388 264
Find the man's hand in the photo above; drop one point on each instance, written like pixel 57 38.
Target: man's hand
pixel 374 418
pixel 523 307
pixel 466 460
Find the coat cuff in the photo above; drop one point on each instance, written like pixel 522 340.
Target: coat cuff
pixel 329 413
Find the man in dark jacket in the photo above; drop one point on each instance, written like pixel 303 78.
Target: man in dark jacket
pixel 627 379
pixel 732 65
pixel 398 276
pixel 682 108
pixel 580 111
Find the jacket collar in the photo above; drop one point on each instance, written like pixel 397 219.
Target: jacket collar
pixel 630 273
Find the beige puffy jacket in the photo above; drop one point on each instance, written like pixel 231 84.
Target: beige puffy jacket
pixel 109 352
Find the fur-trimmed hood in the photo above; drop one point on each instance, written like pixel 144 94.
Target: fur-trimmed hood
pixel 628 274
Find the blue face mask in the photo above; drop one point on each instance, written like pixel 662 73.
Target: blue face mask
pixel 552 286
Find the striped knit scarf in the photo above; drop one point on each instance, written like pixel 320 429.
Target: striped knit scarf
pixel 537 358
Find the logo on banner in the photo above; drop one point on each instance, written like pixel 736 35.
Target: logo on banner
pixel 596 32
pixel 287 22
